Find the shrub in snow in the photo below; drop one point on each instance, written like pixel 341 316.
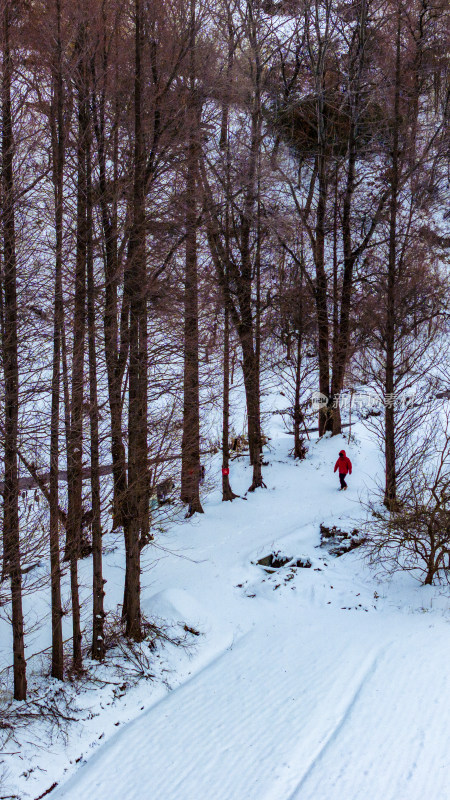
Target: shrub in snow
pixel 415 534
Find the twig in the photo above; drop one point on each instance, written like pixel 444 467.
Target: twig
pixel 47 791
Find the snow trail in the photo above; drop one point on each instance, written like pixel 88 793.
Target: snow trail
pixel 306 688
pixel 284 717
pixel 227 729
pixel 394 741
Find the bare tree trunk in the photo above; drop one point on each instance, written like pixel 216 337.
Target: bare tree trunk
pixel 190 448
pixel 98 614
pixel 341 343
pixel 224 139
pixel 250 362
pixel 321 289
pixel 137 387
pixel 390 494
pixel 258 305
pixel 115 362
pixel 335 395
pixel 321 168
pixel 11 533
pixel 57 125
pixel 299 446
pixel 75 450
pixel 227 492
pixel 335 261
pixel 251 384
pixel 66 393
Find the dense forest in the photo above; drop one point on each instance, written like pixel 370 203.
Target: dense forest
pixel 195 195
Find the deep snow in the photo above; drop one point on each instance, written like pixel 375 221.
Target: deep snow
pixel 323 683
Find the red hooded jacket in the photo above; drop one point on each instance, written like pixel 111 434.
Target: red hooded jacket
pixel 344 464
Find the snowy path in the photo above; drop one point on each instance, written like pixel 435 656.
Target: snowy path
pixel 307 692
pixel 282 716
pixel 393 741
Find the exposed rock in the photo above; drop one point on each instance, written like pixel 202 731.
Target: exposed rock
pixel 338 542
pixel 275 561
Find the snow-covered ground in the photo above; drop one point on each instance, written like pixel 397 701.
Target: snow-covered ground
pixel 320 683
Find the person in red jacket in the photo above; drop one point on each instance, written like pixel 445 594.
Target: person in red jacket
pixel 344 465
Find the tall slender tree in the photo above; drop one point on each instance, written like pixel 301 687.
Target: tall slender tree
pixel 135 287
pixel 58 155
pixel 190 464
pixel 98 614
pixel 11 532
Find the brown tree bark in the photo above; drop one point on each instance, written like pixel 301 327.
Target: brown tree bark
pixel 115 359
pixel 75 438
pixel 11 533
pixel 299 445
pixel 227 492
pixel 98 614
pixel 390 493
pixel 58 151
pixel 341 339
pixel 246 328
pixel 190 447
pixel 135 287
pixel 321 296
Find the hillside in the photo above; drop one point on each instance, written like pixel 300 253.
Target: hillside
pixel 322 682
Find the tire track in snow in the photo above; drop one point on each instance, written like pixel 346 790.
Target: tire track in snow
pixel 394 743
pixel 366 672
pixel 233 722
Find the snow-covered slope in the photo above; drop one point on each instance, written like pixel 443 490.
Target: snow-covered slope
pixel 309 683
